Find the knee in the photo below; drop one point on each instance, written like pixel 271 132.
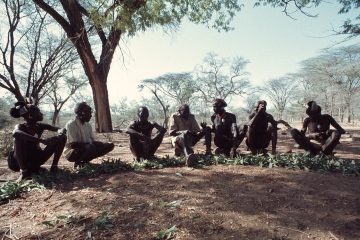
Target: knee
pixel 90 147
pixel 336 135
pixel 111 146
pixel 294 132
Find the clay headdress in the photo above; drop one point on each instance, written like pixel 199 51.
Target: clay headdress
pixel 313 109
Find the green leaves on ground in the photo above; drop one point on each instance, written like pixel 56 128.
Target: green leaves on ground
pixel 9 190
pixel 295 161
pixel 166 233
pixel 69 218
pixel 105 221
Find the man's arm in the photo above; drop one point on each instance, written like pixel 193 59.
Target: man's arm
pixel 130 130
pixel 305 125
pixel 158 127
pixel 274 135
pixel 19 134
pixel 336 125
pixel 173 128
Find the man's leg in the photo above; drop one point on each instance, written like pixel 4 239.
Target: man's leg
pixel 303 141
pixel 156 141
pixel 207 134
pixel 219 140
pixel 101 148
pixel 20 154
pixel 331 142
pixel 136 147
pixel 80 155
pixel 55 149
pixel 184 141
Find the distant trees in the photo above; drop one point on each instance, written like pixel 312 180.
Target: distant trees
pixel 170 88
pixel 280 91
pixel 220 78
pixel 335 73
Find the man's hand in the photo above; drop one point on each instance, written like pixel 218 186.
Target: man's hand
pixel 49 141
pixel 182 132
pixel 147 139
pixel 261 107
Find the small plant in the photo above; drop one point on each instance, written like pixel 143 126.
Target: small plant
pixel 9 190
pixel 166 233
pixel 6 142
pixel 69 218
pixel 104 221
pixel 172 205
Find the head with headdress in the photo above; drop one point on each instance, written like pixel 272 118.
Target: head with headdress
pixel 27 111
pixel 261 104
pixel 313 111
pixel 219 105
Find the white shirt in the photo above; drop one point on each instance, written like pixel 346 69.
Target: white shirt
pixel 78 132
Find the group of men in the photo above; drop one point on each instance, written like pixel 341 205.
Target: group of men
pixel 81 147
pixel 260 130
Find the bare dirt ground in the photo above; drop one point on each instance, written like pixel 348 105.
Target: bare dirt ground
pixel 214 202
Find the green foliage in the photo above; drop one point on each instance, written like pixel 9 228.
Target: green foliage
pixel 9 190
pixel 166 233
pixel 133 15
pixel 295 161
pixel 105 221
pixel 69 218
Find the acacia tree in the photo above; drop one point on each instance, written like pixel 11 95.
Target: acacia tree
pixel 61 92
pixel 212 80
pixel 31 56
pixel 110 20
pixel 280 91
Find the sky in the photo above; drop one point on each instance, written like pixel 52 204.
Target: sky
pixel 273 43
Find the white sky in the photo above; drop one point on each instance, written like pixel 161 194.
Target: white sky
pixel 272 42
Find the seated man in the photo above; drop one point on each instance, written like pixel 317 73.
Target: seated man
pixel 187 133
pixel 225 129
pixel 28 156
pixel 81 146
pixel 319 130
pixel 141 143
pixel 259 133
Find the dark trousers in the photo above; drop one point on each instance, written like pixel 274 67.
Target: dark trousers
pixel 327 147
pixel 140 148
pixel 90 151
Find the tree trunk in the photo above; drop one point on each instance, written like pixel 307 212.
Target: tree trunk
pixel 348 115
pixel 55 116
